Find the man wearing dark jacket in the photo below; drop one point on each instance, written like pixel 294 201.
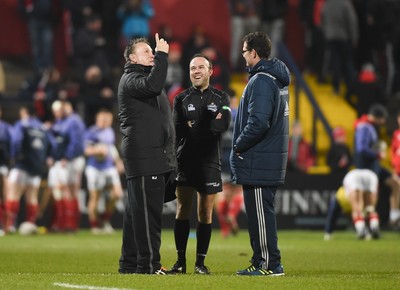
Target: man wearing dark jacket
pixel 201 114
pixel 260 149
pixel 148 152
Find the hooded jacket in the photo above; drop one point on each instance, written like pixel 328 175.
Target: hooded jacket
pixel 261 131
pixel 146 125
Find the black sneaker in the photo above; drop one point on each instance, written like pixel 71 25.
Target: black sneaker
pixel 202 270
pixel 163 271
pixel 178 268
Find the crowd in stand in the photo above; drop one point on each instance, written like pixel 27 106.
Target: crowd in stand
pixel 351 42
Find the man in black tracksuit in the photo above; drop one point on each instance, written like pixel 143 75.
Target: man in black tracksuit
pixel 201 114
pixel 148 152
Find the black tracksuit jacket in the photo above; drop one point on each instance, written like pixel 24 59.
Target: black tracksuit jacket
pixel 148 135
pixel 197 130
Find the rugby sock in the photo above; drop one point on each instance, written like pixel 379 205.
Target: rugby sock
pixel 93 224
pixel 359 223
pixel 58 215
pixel 373 221
pixel 69 214
pixel 12 208
pixel 394 214
pixel 203 241
pixel 222 210
pixel 181 233
pixel 32 212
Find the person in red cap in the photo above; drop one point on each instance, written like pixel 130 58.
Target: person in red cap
pixel 339 156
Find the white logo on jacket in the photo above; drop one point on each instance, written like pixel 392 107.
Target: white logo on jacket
pixel 286 109
pixel 191 107
pixel 212 107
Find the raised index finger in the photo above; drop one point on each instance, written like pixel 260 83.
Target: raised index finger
pixel 157 38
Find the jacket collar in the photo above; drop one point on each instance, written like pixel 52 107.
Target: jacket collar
pixel 131 67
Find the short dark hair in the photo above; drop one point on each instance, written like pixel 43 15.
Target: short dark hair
pixel 378 111
pixel 203 56
pixel 260 42
pixel 130 47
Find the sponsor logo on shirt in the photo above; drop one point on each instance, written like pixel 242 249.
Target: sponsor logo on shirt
pixel 191 107
pixel 212 107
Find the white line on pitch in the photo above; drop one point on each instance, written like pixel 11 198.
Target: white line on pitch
pixel 74 286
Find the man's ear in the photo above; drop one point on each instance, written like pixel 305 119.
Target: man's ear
pixel 132 58
pixel 211 71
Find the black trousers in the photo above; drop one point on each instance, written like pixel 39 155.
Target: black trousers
pixel 260 209
pixel 141 236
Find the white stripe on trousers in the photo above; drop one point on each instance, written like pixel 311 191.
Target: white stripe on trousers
pixel 146 220
pixel 262 228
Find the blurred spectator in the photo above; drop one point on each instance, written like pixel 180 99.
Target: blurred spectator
pixel 173 82
pixel 230 200
pixel 79 10
pixel 367 90
pixel 221 75
pixel 340 27
pixel 102 171
pixel 67 135
pixel 369 150
pixel 135 16
pixel 96 92
pixel 90 46
pixel 301 154
pixel 310 14
pixel 166 32
pixel 5 161
pixel 75 153
pixel 339 157
pixel 197 41
pixel 357 198
pixel 272 15
pixel 363 51
pixel 384 28
pixel 395 147
pixel 243 20
pixel 43 89
pixel 41 16
pixel 30 150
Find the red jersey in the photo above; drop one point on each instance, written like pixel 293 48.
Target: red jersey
pixel 395 150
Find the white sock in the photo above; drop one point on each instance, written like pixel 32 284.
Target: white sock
pixel 394 215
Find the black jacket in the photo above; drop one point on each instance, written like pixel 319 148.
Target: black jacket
pixel 148 135
pixel 197 130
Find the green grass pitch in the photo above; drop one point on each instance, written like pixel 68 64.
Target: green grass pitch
pixel 84 261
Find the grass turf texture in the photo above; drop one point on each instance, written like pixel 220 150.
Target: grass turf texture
pixel 84 261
